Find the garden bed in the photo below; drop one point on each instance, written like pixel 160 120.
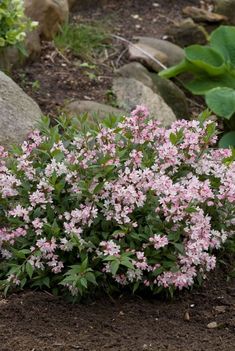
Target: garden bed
pixel 38 321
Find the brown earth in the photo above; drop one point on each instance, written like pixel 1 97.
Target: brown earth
pixel 37 321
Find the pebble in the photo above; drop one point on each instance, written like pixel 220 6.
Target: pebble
pixel 212 325
pixel 220 309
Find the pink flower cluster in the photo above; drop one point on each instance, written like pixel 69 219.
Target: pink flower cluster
pixel 156 201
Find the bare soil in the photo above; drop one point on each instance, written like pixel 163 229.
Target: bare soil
pixel 37 321
pixel 40 322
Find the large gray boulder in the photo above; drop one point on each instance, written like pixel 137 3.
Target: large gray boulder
pixel 174 54
pixel 131 92
pixel 136 71
pixel 93 109
pixel 19 114
pixel 149 56
pixel 51 14
pixel 172 95
pixel 170 92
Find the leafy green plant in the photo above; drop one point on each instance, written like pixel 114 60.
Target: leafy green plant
pixel 213 70
pixel 125 203
pixel 83 40
pixel 13 23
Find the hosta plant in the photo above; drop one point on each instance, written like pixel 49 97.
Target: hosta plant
pixel 127 204
pixel 213 72
pixel 13 23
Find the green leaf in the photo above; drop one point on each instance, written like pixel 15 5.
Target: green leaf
pixel 23 282
pixel 223 40
pixel 83 282
pixel 114 267
pixel 179 247
pixel 221 101
pixel 201 85
pixel 46 281
pixel 90 277
pixel 127 263
pixel 135 287
pixel 227 140
pixel 206 59
pixel 29 269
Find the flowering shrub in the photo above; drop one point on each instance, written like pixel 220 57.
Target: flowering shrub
pixel 129 204
pixel 13 23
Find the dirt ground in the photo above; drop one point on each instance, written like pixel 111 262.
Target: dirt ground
pixel 37 321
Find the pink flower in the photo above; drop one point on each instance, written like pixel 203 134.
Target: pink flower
pixel 158 241
pixel 110 248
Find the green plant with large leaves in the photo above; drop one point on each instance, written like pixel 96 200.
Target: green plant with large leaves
pixel 213 71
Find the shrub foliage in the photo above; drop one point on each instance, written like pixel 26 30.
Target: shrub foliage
pixel 128 203
pixel 13 22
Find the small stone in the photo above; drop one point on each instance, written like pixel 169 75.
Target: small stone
pixel 186 316
pixel 212 325
pixel 136 17
pixel 220 309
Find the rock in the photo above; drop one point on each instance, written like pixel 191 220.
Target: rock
pixel 187 32
pixel 220 309
pixel 174 53
pixel 186 316
pixel 226 8
pixel 170 92
pixel 212 325
pixel 172 95
pixel 71 3
pixel 92 108
pixel 11 57
pixel 202 15
pixel 19 113
pixel 137 71
pixel 33 45
pixel 50 14
pixel 137 53
pixel 131 92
